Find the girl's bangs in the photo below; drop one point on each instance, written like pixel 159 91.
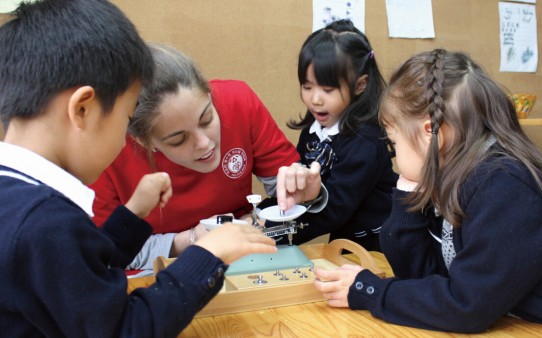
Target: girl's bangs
pixel 329 67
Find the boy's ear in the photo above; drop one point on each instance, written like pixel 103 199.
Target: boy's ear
pixel 361 84
pixel 81 103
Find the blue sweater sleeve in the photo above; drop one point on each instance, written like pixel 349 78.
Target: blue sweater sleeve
pixel 65 281
pixel 128 232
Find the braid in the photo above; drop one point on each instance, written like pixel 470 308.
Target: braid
pixel 434 83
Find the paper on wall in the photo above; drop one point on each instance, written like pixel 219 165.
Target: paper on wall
pixel 519 48
pixel 527 1
pixel 8 6
pixel 410 19
pixel 327 11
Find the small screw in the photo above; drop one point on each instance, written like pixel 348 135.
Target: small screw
pixel 260 280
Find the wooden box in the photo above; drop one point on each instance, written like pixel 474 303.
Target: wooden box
pixel 267 290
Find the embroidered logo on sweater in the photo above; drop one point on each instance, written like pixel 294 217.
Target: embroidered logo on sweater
pixel 234 163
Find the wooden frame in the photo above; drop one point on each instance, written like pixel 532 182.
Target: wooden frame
pixel 232 299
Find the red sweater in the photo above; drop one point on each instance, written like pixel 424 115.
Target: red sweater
pixel 248 133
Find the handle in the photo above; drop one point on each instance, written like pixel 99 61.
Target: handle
pixel 334 253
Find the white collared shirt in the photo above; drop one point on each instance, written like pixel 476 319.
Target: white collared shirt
pixel 43 170
pixel 324 133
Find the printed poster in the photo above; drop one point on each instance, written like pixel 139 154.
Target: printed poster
pixel 519 48
pixel 326 11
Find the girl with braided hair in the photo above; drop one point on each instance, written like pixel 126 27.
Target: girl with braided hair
pixel 341 87
pixel 464 235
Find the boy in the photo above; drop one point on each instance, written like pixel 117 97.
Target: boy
pixel 70 75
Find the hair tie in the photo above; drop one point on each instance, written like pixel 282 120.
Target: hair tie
pixel 371 54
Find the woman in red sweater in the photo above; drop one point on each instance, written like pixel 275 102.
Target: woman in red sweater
pixel 210 137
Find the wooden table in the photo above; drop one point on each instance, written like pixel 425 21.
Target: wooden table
pixel 319 320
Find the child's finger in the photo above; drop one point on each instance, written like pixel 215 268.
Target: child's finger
pixel 165 189
pixel 324 274
pixel 165 196
pixel 258 247
pixel 256 234
pixel 314 171
pixel 284 201
pixel 290 179
pixel 301 178
pixel 315 168
pixel 281 189
pixel 166 180
pixel 327 286
pixel 351 267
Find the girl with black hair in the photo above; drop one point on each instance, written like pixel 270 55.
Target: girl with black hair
pixel 341 86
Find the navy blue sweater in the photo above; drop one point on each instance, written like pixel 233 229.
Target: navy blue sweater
pixel 61 276
pixel 359 186
pixel 496 270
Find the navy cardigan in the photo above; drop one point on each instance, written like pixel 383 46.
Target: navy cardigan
pixel 61 276
pixel 497 267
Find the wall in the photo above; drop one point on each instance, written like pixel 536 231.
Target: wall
pixel 258 40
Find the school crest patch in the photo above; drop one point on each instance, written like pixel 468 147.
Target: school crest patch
pixel 234 163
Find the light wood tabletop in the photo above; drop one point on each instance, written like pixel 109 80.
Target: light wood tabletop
pixel 317 319
pixel 320 320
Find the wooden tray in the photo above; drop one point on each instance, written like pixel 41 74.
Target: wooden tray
pixel 244 293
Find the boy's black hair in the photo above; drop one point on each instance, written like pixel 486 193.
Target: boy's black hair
pixel 341 52
pixel 53 45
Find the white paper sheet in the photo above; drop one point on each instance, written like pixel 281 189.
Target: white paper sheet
pixel 527 1
pixel 410 19
pixel 8 6
pixel 519 49
pixel 327 11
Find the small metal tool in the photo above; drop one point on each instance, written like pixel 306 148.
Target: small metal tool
pixel 254 200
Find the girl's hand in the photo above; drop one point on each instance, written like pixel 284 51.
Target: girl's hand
pixel 233 241
pixel 334 284
pixel 405 184
pixel 152 190
pixel 296 184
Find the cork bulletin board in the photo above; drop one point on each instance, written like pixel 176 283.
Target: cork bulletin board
pixel 258 41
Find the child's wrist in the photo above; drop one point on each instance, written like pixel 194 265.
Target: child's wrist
pixel 131 205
